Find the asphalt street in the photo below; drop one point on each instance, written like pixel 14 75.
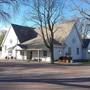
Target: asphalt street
pixel 35 76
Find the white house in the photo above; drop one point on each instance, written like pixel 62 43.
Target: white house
pixel 14 36
pixel 67 41
pixel 25 43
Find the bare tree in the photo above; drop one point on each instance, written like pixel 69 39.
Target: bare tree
pixel 5 5
pixel 85 14
pixel 83 11
pixel 46 13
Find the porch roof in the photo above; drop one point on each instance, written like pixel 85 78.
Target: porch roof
pixel 11 48
pixel 38 43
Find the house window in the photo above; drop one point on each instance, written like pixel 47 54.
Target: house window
pixel 10 41
pixel 77 51
pixel 10 52
pixel 22 53
pixel 73 40
pixel 69 51
pixel 44 53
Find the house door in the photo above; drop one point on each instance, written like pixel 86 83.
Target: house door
pixel 29 55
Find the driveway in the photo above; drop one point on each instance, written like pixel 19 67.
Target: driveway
pixel 34 76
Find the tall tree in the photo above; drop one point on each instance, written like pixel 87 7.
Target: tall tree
pixel 46 13
pixel 85 13
pixel 84 10
pixel 4 4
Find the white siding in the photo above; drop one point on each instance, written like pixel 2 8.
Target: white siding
pixel 16 53
pixel 73 42
pixel 84 53
pixel 9 41
pixel 58 52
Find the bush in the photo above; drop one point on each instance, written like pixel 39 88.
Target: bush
pixel 11 57
pixel 6 57
pixel 64 58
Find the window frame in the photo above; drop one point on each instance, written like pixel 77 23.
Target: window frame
pixel 77 51
pixel 44 53
pixel 22 52
pixel 69 51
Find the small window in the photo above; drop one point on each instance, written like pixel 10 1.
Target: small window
pixel 77 51
pixel 10 41
pixel 44 53
pixel 22 53
pixel 73 40
pixel 69 51
pixel 10 52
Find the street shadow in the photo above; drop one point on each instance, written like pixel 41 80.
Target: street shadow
pixel 37 65
pixel 31 65
pixel 25 63
pixel 76 82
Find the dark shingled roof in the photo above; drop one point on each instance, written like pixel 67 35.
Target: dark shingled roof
pixel 24 33
pixel 86 43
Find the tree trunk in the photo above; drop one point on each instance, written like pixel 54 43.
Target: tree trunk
pixel 52 47
pixel 52 52
pixel 52 56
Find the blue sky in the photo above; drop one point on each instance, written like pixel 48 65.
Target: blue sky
pixel 18 17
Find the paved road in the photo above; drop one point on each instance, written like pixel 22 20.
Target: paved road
pixel 16 76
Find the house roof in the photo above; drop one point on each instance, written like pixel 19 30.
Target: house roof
pixel 23 46
pixel 85 43
pixel 24 33
pixel 61 32
pixel 38 42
